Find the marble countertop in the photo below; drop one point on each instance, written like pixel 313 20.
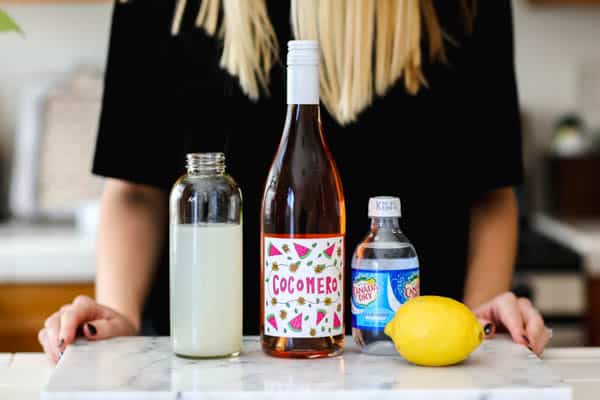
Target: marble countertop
pixel 144 368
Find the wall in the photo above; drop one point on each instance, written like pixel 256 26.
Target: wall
pixel 552 44
pixel 57 37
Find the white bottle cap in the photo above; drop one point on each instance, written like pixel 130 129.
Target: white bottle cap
pixel 303 72
pixel 303 52
pixel 384 206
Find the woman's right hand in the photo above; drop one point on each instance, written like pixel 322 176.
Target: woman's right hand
pixel 85 317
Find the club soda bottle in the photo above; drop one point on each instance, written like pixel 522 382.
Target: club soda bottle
pixel 385 274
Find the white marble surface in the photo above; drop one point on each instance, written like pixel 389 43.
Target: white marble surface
pixel 579 367
pixel 22 375
pixel 45 253
pixel 144 368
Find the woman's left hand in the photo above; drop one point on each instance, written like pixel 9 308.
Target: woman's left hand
pixel 518 316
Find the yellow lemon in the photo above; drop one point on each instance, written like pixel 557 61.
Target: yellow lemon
pixel 434 331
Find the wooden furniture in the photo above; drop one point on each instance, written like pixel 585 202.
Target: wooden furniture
pixel 24 308
pixel 582 237
pixel 573 190
pixel 42 267
pixel 594 310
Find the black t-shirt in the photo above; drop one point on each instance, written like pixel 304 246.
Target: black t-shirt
pixel 166 96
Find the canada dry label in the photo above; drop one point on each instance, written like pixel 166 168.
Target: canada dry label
pixel 377 294
pixel 304 286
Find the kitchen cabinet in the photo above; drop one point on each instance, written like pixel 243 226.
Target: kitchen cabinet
pixel 582 237
pixel 572 188
pixel 42 267
pixel 25 306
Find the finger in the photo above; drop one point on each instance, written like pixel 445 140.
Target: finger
pixel 106 328
pixel 52 326
pixel 507 311
pixel 546 336
pixel 43 339
pixel 82 310
pixel 489 328
pixel 534 326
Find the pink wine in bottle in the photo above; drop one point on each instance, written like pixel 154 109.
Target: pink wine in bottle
pixel 303 227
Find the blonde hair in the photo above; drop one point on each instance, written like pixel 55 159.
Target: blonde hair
pixel 366 45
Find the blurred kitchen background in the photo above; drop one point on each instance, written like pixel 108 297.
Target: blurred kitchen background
pixel 50 91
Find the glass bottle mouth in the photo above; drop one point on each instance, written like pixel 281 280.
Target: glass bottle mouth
pixel 205 163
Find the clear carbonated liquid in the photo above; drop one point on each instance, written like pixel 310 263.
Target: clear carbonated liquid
pixel 384 260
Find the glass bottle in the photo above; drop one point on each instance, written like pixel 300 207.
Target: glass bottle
pixel 385 274
pixel 206 260
pixel 303 227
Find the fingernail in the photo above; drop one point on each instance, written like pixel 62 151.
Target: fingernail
pixel 60 354
pixel 525 339
pixel 92 329
pixel 61 343
pixel 487 329
pixel 530 349
pixel 79 331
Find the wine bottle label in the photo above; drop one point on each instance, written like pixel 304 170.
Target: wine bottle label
pixel 377 294
pixel 304 286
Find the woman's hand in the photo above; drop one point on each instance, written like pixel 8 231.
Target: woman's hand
pixel 518 316
pixel 84 317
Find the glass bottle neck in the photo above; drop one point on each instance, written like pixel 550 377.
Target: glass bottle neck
pixel 304 113
pixel 378 223
pixel 202 164
pixel 303 124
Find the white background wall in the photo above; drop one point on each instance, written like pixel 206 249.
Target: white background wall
pixel 57 37
pixel 551 44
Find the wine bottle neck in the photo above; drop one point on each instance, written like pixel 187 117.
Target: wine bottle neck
pixel 304 112
pixel 303 84
pixel 303 123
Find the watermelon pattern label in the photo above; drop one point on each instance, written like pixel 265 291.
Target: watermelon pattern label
pixel 377 294
pixel 304 286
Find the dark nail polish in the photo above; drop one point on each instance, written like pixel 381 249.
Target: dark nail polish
pixel 526 339
pixel 530 349
pixel 79 331
pixel 92 329
pixel 60 354
pixel 487 329
pixel 61 343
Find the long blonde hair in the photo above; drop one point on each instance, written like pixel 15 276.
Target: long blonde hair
pixel 366 45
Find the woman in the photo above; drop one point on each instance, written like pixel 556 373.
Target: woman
pixel 439 78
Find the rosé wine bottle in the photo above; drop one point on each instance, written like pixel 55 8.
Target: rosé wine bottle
pixel 303 227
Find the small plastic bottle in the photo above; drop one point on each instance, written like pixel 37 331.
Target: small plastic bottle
pixel 385 274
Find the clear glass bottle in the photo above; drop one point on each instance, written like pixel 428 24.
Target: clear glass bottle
pixel 206 260
pixel 303 227
pixel 385 274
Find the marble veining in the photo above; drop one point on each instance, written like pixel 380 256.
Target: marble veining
pixel 144 368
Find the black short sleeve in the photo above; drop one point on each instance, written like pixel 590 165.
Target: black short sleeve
pixel 496 129
pixel 133 138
